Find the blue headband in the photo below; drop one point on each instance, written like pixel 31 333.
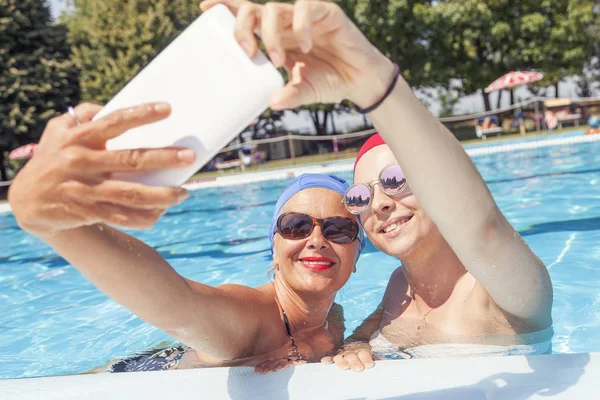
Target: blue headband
pixel 307 181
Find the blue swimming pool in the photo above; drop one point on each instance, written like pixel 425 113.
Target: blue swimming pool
pixel 52 321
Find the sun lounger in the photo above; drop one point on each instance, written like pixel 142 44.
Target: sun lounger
pixel 482 133
pixel 568 118
pixel 228 164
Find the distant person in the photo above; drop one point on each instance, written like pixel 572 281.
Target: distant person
pixel 486 123
pixel 551 120
pixel 594 125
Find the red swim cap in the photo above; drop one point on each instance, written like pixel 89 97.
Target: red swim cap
pixel 373 141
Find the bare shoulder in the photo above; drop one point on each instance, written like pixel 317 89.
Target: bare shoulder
pixel 232 291
pixel 246 293
pixel 396 294
pixel 253 306
pixel 397 277
pixel 397 283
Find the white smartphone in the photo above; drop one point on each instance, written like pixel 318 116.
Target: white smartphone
pixel 215 90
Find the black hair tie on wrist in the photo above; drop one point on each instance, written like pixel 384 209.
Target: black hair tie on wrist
pixel 387 93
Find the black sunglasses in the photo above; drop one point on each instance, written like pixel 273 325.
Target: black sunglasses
pixel 295 226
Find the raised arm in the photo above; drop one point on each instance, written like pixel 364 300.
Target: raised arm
pixel 65 195
pixel 328 59
pixel 453 193
pixel 136 276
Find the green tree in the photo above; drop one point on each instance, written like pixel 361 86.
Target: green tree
pixel 182 13
pixel 320 114
pixel 448 100
pixel 565 45
pixel 594 63
pixel 113 40
pixel 397 28
pixel 585 85
pixel 266 125
pixel 476 41
pixel 37 79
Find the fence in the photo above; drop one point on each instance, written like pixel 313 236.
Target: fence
pixel 526 115
pixel 530 112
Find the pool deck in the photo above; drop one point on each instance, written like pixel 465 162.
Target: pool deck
pixel 561 376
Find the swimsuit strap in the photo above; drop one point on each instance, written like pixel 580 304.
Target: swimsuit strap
pixel 295 353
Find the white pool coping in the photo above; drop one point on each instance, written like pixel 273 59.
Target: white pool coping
pixel 559 376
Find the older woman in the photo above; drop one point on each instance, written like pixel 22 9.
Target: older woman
pixel 467 276
pixel 65 195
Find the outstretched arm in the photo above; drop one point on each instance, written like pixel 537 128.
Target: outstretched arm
pixel 140 279
pixel 65 195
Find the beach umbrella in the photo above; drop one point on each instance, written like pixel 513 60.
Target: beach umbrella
pixel 23 152
pixel 514 79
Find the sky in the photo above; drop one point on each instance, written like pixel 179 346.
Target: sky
pixel 467 105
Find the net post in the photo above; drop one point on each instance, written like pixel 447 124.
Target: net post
pixel 291 147
pixel 537 115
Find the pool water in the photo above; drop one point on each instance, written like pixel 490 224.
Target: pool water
pixel 54 322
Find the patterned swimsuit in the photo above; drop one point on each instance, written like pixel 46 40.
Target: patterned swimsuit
pixel 151 360
pixel 168 358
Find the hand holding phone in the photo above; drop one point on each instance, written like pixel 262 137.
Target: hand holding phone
pixel 215 90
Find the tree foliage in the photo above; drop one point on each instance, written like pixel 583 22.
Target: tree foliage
pixel 114 39
pixel 477 41
pixel 397 28
pixel 37 79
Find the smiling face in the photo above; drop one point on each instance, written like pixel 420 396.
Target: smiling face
pixel 314 264
pixel 397 226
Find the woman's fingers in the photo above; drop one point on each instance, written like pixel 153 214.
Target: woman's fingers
pixel 84 112
pixel 132 195
pixel 233 5
pixel 302 25
pixel 282 364
pixel 275 17
pixel 296 92
pixel 366 358
pixel 269 366
pixel 139 159
pixel 59 129
pixel 245 25
pixel 80 162
pixel 327 360
pixel 354 362
pixel 341 362
pixel 96 133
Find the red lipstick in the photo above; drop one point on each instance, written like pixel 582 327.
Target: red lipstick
pixel 317 263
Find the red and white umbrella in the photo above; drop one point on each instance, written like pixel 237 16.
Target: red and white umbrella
pixel 23 152
pixel 514 79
